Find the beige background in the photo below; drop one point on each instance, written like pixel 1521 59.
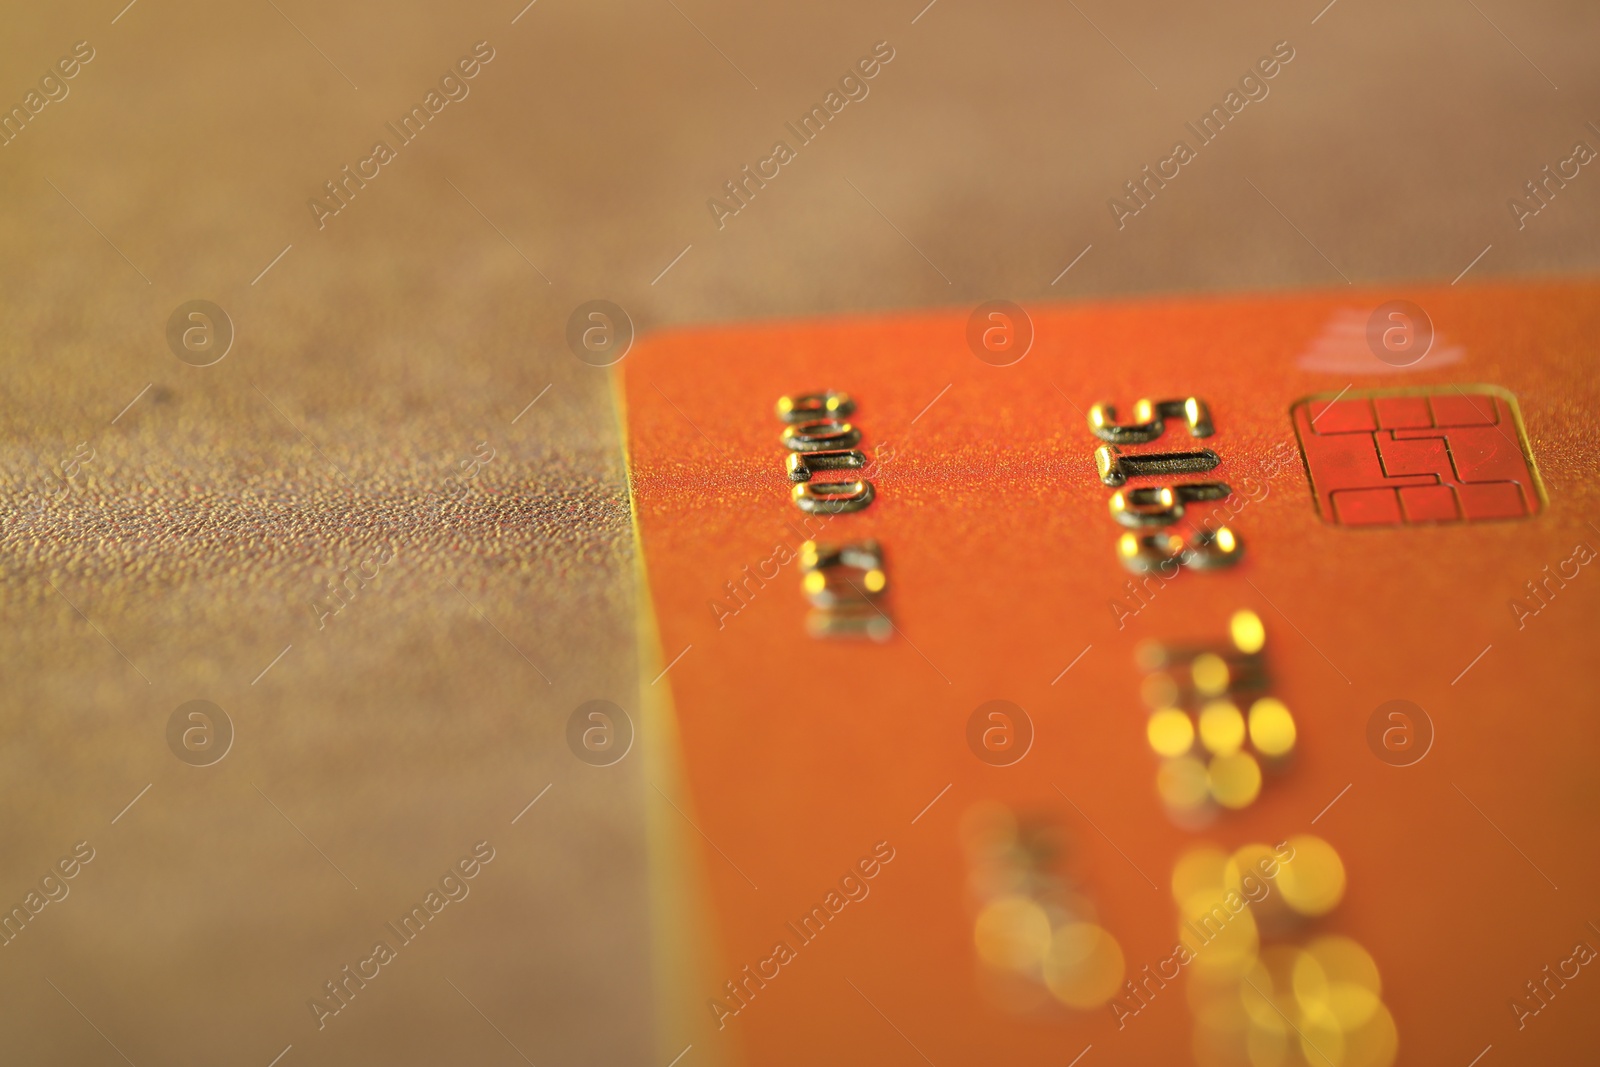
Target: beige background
pixel 378 353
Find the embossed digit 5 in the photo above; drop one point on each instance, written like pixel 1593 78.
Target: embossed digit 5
pixel 1206 550
pixel 1149 420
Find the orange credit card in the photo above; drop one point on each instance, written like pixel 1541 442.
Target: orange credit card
pixel 1166 681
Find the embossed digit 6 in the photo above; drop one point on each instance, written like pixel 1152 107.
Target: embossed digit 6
pixel 1161 505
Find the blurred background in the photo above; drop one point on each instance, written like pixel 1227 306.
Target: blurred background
pixel 398 386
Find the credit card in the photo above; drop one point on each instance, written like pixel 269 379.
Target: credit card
pixel 1162 681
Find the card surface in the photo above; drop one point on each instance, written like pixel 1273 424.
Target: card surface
pixel 1161 681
